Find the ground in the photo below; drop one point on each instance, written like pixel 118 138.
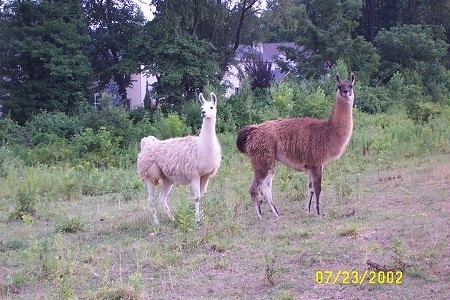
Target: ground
pixel 393 221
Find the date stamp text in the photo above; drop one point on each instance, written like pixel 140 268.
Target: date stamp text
pixel 358 278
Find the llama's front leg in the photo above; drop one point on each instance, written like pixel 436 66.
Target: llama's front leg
pixel 315 186
pixel 266 191
pixel 151 203
pixel 203 184
pixel 165 190
pixel 195 186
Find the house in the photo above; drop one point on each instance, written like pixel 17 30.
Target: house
pixel 141 83
pixel 268 52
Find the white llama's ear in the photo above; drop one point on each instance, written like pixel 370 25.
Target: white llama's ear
pixel 352 78
pixel 201 99
pixel 214 99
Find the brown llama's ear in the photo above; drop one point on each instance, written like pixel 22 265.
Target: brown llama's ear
pixel 352 77
pixel 214 99
pixel 337 78
pixel 201 99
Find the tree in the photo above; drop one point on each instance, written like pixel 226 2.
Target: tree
pixel 260 72
pixel 43 65
pixel 325 35
pixel 112 25
pixel 182 63
pixel 189 44
pixel 415 47
pixel 384 14
pixel 280 20
pixel 225 24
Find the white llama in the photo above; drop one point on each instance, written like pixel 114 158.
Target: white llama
pixel 183 160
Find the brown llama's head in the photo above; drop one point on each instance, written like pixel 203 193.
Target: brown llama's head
pixel 345 88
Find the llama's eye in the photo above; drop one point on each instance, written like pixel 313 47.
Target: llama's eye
pixel 212 107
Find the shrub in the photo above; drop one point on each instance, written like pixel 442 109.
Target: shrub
pixel 10 132
pixel 170 126
pixel 25 199
pixel 97 148
pixel 283 98
pixel 373 100
pixel 313 104
pixel 46 128
pixel 69 225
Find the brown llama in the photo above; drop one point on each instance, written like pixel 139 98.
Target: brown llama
pixel 303 144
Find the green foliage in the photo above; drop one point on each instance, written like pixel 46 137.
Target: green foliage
pixel 10 131
pixel 112 26
pixel 243 109
pixel 416 47
pixel 179 59
pixel 326 31
pixel 184 217
pixel 314 104
pixel 423 111
pixel 47 128
pixel 374 100
pixel 69 225
pixel 97 148
pixel 136 281
pixel 26 199
pixel 170 126
pixel 46 62
pixel 282 98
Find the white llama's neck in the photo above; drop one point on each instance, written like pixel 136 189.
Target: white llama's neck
pixel 208 137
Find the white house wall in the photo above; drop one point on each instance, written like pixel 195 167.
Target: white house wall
pixel 136 92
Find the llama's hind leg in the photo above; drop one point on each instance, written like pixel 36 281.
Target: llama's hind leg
pixel 151 201
pixel 266 191
pixel 254 194
pixel 165 190
pixel 315 186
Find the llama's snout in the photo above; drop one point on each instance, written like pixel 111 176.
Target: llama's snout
pixel 203 113
pixel 345 92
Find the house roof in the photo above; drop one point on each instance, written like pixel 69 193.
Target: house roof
pixel 271 51
pixel 267 51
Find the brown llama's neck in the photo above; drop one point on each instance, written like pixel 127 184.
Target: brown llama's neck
pixel 342 113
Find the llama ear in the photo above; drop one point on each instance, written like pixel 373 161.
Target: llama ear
pixel 214 99
pixel 201 99
pixel 352 78
pixel 337 78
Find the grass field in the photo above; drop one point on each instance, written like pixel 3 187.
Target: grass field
pixel 89 235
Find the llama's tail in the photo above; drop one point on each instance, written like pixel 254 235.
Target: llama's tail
pixel 243 136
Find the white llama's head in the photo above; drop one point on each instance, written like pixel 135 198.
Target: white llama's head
pixel 145 141
pixel 209 108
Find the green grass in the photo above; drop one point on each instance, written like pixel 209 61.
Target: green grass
pixel 87 234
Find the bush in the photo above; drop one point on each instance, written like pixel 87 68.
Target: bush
pixel 69 225
pixel 97 148
pixel 170 126
pixel 46 128
pixel 26 199
pixel 313 104
pixel 10 131
pixel 373 100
